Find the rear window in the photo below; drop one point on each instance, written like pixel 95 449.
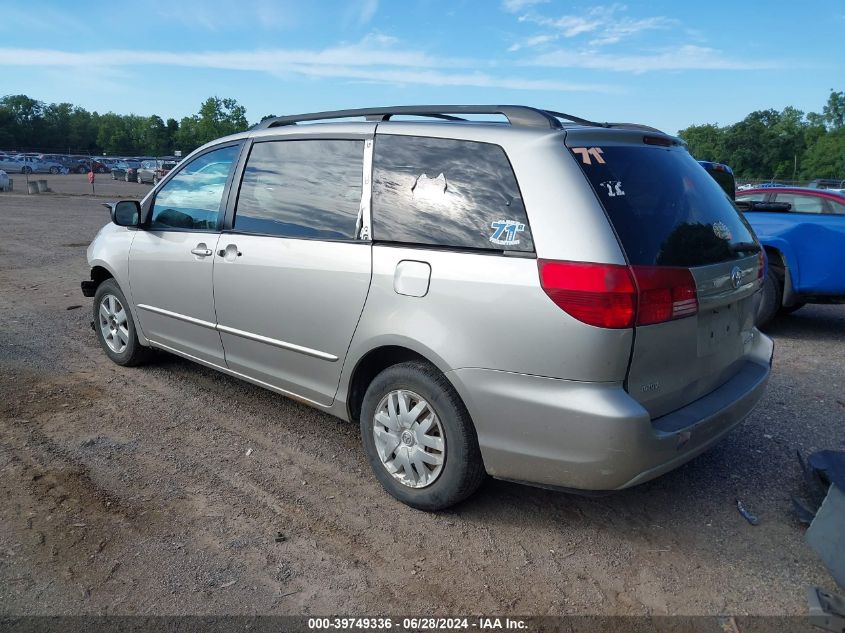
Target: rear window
pixel 665 208
pixel 445 192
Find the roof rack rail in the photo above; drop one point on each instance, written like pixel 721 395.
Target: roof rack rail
pixel 518 116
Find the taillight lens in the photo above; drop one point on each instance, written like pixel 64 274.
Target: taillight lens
pixel 615 296
pixel 664 294
pixel 762 264
pixel 598 294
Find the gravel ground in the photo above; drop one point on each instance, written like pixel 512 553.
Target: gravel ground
pixel 130 491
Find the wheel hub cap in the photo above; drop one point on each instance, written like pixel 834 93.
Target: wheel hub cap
pixel 409 438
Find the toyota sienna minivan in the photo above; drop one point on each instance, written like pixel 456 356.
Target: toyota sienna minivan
pixel 532 296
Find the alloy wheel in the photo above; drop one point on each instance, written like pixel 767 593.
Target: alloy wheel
pixel 114 325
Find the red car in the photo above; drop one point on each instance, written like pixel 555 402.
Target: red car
pixel 802 199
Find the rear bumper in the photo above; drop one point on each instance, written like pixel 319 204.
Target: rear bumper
pixel 594 436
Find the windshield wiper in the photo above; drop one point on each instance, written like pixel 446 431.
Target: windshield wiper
pixel 745 246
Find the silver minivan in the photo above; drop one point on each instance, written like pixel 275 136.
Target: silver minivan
pixel 540 298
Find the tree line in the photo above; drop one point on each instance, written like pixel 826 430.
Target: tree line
pixel 785 145
pixel 30 125
pixel 766 144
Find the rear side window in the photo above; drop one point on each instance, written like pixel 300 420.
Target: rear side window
pixel 446 192
pixel 802 204
pixel 302 189
pixel 665 208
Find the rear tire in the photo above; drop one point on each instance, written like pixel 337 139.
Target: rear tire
pixel 771 299
pixel 115 327
pixel 460 470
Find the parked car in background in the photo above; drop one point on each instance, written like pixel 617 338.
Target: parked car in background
pixel 463 327
pixel 27 164
pixel 803 232
pixel 4 181
pixel 826 183
pixel 11 164
pixel 722 174
pixel 125 170
pixel 153 170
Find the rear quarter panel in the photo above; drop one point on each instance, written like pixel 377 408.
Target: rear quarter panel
pixel 812 245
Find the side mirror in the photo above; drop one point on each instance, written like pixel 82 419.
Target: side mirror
pixel 125 213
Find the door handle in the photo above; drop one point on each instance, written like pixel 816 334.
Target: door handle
pixel 201 252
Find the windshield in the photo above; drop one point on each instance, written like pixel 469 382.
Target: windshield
pixel 665 208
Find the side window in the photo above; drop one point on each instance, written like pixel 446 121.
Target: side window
pixel 302 189
pixel 752 197
pixel 447 192
pixel 802 204
pixel 191 199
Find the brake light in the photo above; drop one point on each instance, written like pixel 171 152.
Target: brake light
pixel 597 294
pixel 618 297
pixel 762 264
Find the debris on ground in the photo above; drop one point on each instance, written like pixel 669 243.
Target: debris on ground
pixel 826 610
pixel 280 538
pixel 753 520
pixel 248 452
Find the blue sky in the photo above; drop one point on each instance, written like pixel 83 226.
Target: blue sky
pixel 668 64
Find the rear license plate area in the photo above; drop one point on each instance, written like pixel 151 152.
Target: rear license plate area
pixel 718 329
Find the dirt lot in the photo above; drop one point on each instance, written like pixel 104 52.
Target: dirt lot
pixel 130 491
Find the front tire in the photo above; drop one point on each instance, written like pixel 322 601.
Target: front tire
pixel 54 170
pixel 419 438
pixel 771 299
pixel 115 327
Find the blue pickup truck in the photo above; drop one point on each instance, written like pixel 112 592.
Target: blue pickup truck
pixel 803 232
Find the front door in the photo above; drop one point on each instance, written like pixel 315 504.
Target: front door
pixel 291 276
pixel 171 261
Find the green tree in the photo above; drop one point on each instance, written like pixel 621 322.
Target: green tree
pixel 825 158
pixel 833 112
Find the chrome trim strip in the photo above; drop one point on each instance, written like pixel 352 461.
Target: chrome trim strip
pixel 277 343
pixel 231 372
pixel 247 335
pixel 177 316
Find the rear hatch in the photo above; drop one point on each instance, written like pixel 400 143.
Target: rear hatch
pixel 683 237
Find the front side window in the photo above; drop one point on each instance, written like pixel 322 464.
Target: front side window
pixel 191 200
pixel 308 189
pixel 446 192
pixel 802 204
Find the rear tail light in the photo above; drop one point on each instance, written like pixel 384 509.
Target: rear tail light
pixel 617 297
pixel 664 294
pixel 762 264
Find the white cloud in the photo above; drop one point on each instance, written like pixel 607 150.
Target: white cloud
pixel 608 22
pixel 686 57
pixel 532 42
pixel 377 58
